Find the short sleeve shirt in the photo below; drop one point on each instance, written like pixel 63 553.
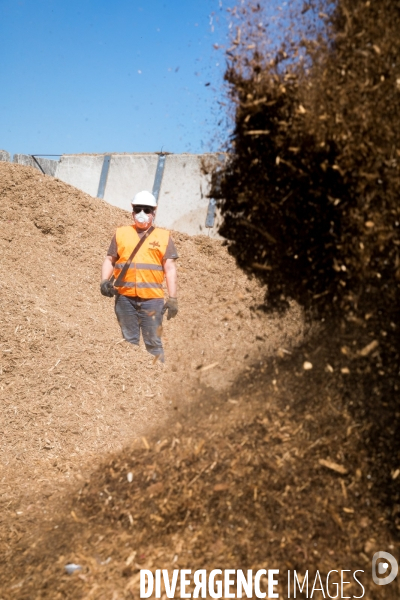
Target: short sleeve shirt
pixel 170 252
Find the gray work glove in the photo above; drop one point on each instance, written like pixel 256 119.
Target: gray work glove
pixel 107 288
pixel 171 306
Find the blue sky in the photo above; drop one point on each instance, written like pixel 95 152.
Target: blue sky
pixel 101 76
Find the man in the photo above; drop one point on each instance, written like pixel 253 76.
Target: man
pixel 139 302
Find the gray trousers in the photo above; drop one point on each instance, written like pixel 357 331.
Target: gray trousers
pixel 137 315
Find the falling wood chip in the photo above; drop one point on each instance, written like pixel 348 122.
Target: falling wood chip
pixel 368 348
pixel 199 447
pixel 221 487
pixel 329 464
pixel 336 517
pixel 262 267
pixel 258 132
pixel 208 367
pixel 54 366
pixel 155 488
pixel 156 518
pixel 131 558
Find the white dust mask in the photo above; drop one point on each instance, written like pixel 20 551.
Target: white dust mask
pixel 142 218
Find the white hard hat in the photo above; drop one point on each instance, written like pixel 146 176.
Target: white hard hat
pixel 144 198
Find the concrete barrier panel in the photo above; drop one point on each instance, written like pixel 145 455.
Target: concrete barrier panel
pixel 48 166
pixel 81 170
pixel 183 199
pixel 4 156
pixel 129 174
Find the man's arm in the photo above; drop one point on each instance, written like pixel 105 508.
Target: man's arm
pixel 107 267
pixel 171 277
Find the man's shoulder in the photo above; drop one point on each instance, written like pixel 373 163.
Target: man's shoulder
pixel 162 231
pixel 125 228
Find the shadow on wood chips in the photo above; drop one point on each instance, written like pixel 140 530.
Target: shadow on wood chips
pixel 272 473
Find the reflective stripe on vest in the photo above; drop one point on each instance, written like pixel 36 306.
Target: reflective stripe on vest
pixel 145 274
pixel 142 285
pixel 141 266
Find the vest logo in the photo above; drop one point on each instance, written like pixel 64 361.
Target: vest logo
pixel 154 244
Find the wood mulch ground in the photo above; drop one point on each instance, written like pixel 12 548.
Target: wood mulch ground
pixel 233 456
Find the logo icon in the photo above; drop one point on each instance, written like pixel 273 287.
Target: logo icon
pixel 380 568
pixel 154 244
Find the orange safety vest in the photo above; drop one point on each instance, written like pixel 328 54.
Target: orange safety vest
pixel 145 274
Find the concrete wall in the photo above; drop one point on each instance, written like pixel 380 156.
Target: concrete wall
pixel 4 156
pixel 48 166
pixel 183 201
